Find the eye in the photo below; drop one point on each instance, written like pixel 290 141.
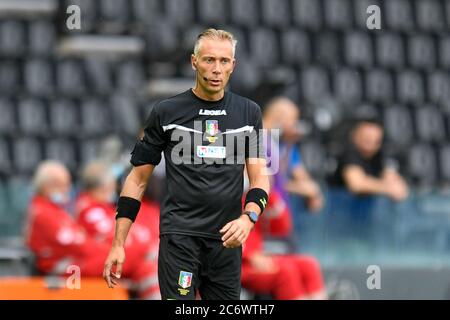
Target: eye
pixel 209 60
pixel 225 61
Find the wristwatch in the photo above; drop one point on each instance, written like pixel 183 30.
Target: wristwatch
pixel 252 215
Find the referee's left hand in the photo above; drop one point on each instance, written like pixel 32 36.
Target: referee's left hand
pixel 236 232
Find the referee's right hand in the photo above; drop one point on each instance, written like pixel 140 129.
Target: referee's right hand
pixel 116 257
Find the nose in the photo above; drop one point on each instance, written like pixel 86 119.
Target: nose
pixel 217 68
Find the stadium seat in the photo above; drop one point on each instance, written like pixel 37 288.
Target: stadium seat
pixel 430 124
pixel 64 119
pixel 398 15
pixel 56 288
pixel 307 14
pixel 38 77
pixel 162 40
pixel 12 38
pixel 389 50
pixel 212 12
pixel 9 76
pixel 62 150
pixel 89 11
pixel 131 76
pixel 337 14
pixel 328 49
pixel 145 10
pixel 314 82
pixel 360 12
pixel 264 49
pixel 410 87
pixel 444 52
pixel 8 122
pixel 430 15
pixel 444 163
pixel 295 47
pixel 247 77
pixel 421 53
pixel 179 12
pixel 114 16
pixel 41 38
pixel 347 85
pixel 88 150
pixel 126 115
pixel 32 116
pixel 5 159
pixel 358 49
pixel 99 75
pixel 314 158
pixel 244 12
pixel 95 118
pixel 27 154
pixel 422 165
pixel 70 78
pixel 379 86
pixel 438 86
pixel 276 13
pixel 398 124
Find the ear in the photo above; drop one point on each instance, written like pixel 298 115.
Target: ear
pixel 234 65
pixel 194 62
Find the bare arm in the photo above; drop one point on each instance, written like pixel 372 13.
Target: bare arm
pixel 303 185
pixel 134 187
pixel 236 232
pixel 390 184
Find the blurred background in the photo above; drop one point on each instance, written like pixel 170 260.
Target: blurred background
pixel 80 95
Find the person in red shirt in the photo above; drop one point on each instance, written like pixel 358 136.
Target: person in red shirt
pixel 285 277
pixel 58 241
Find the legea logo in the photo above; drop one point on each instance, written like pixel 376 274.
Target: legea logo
pixel 204 112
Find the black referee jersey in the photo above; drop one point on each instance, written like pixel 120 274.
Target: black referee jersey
pixel 205 144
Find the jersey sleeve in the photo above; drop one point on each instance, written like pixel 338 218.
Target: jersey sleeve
pixel 148 149
pixel 254 146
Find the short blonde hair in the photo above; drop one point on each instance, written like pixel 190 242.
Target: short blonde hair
pixel 212 33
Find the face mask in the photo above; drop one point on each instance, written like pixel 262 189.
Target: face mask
pixel 58 198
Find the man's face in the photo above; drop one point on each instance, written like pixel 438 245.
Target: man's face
pixel 58 187
pixel 368 138
pixel 214 62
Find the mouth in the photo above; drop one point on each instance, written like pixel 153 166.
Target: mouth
pixel 215 82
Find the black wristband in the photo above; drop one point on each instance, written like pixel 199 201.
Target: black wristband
pixel 258 196
pixel 128 208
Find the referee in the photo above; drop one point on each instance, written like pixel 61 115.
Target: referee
pixel 208 136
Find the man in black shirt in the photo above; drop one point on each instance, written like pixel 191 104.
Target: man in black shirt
pixel 207 135
pixel 363 170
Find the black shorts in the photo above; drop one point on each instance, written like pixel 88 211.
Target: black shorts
pixel 187 264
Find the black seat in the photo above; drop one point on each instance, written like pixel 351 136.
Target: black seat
pixel 131 76
pixel 430 15
pixel 70 77
pixel 32 116
pixel 360 12
pixel 430 124
pixel 244 12
pixel 276 13
pixel 444 163
pixel 38 77
pixel 307 14
pixel 379 86
pixel 125 114
pixel 98 75
pixel 264 47
pixel 337 14
pixel 314 158
pixel 5 158
pixel 347 84
pixel 212 12
pixel 398 125
pixel 295 47
pixel 314 82
pixel 179 12
pixel 389 50
pixel 398 15
pixel 42 37
pixel 410 87
pixel 62 150
pixel 421 53
pixel 9 76
pixel 64 118
pixel 328 49
pixel 89 15
pixel 27 154
pixel 438 87
pixel 95 117
pixel 12 38
pixel 358 49
pixel 422 165
pixel 162 40
pixel 444 52
pixel 145 10
pixel 8 122
pixel 87 150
